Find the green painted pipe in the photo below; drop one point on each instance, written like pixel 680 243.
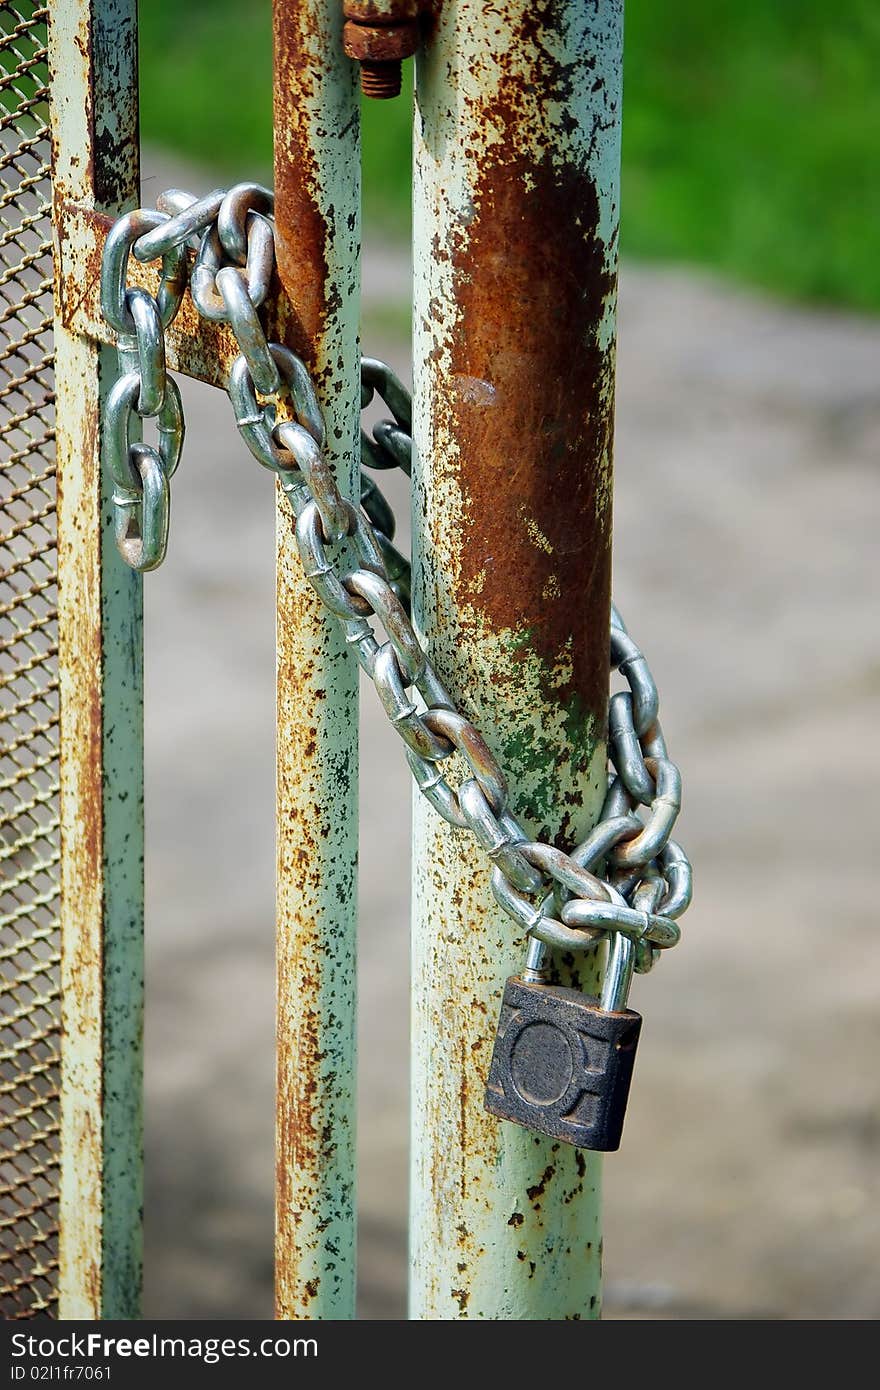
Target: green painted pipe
pixel 517 152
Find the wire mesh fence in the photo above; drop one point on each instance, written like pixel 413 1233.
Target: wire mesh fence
pixel 29 815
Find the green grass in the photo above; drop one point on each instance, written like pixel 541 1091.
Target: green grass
pixel 751 130
pixel 751 141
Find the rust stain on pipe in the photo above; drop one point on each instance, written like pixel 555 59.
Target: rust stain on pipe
pixel 531 393
pixel 302 230
pixel 529 401
pixel 81 665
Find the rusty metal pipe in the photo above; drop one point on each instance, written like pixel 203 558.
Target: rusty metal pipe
pixel 517 137
pixel 317 213
pixel 94 130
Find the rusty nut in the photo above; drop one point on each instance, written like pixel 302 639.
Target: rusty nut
pixel 375 43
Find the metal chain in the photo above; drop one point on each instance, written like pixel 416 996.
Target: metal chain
pixel 348 556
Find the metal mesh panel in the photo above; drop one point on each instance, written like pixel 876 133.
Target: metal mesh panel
pixel 29 824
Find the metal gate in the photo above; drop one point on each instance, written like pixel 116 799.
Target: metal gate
pixel 512 114
pixel 30 850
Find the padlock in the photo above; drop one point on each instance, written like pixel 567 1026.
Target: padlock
pixel 563 1061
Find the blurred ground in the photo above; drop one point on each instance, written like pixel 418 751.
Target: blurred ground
pixel 747 514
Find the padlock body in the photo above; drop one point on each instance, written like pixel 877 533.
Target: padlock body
pixel 561 1066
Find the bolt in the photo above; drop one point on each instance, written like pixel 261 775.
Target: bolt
pixel 380 48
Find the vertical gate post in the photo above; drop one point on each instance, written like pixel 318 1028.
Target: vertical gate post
pixel 317 213
pixel 93 65
pixel 517 132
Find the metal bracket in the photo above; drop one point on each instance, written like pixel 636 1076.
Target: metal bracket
pixel 194 346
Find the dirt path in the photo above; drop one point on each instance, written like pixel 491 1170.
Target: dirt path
pixel 747 514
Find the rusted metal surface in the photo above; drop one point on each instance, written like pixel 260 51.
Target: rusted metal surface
pixel 379 43
pixel 317 199
pixel 94 127
pixel 515 225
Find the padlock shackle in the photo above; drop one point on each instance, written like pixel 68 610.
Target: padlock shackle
pixel 618 973
pixel 618 968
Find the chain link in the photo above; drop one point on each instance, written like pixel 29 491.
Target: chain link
pixel 558 897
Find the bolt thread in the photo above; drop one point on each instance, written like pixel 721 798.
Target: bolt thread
pixel 381 80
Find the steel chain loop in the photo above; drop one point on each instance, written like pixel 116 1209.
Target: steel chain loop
pixel 559 898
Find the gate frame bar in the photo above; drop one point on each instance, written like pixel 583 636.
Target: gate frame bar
pixel 317 220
